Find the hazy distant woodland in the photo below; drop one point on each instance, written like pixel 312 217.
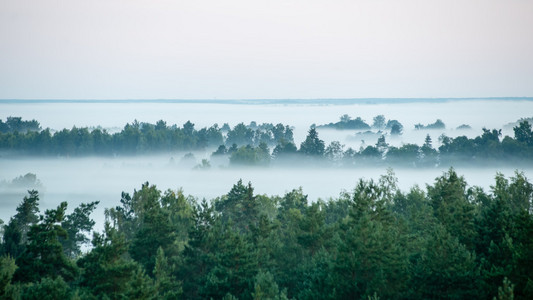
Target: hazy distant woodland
pixel 348 201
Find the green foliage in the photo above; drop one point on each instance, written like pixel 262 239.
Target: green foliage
pixel 135 138
pixel 106 270
pixel 265 288
pixel 283 149
pixel 251 156
pixel 44 254
pixel 77 224
pixel 167 286
pixel 16 124
pixel 7 269
pixel 249 144
pixel 406 155
pixel 447 241
pixel 444 268
pixel 334 153
pixel 346 122
pixel 16 232
pixel 371 256
pixel 505 292
pixel 240 135
pixel 47 289
pixel 239 206
pixel 234 267
pixel 523 133
pixel 312 146
pixel 451 206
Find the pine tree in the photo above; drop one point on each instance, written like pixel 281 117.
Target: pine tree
pixel 312 146
pixel 167 286
pixel 76 225
pixel 15 235
pixel 452 207
pixel 106 271
pixel 44 254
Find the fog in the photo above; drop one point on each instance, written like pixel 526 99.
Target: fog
pixel 103 179
pixel 78 180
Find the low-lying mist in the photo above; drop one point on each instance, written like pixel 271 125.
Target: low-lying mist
pixel 79 180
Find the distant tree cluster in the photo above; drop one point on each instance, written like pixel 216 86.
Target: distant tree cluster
pixel 28 181
pixel 135 138
pixel 346 122
pixel 449 241
pixel 254 135
pixel 484 149
pixel 13 124
pixel 489 146
pixel 437 125
pixel 380 123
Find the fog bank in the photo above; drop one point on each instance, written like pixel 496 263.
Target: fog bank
pixel 103 179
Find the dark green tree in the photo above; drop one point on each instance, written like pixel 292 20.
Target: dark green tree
pixel 44 255
pixel 284 149
pixel 523 133
pixel 15 235
pixel 166 285
pixel 312 146
pixel 47 289
pixel 239 206
pixel 106 271
pixel 451 206
pixel 371 254
pixel 444 269
pixel 77 225
pixel 7 269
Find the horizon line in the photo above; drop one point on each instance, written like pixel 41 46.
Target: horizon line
pixel 263 100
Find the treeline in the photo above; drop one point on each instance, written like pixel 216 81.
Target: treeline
pixel 135 138
pixel 481 150
pixel 448 241
pixel 267 144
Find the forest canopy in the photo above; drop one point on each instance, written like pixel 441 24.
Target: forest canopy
pixel 447 240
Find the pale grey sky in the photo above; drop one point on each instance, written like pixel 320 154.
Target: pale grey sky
pixel 116 49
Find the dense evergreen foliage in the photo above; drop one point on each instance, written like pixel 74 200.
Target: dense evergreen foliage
pixel 447 241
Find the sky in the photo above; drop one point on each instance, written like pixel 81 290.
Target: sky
pixel 249 49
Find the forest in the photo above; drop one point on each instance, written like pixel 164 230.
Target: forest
pixel 268 144
pixel 445 241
